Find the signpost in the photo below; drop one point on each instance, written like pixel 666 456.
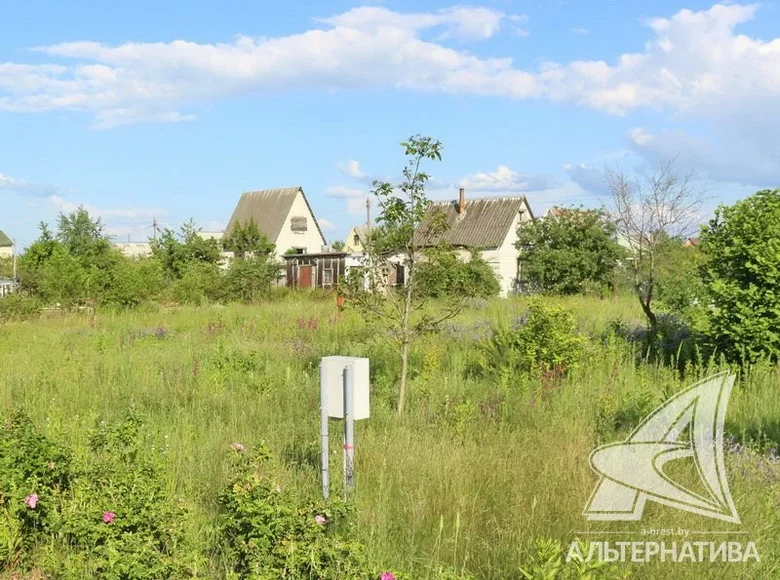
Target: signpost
pixel 344 394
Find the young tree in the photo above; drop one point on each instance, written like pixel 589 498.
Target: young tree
pixel 177 253
pixel 405 228
pixel 338 245
pixel 83 237
pixel 563 254
pixel 647 211
pixel 246 239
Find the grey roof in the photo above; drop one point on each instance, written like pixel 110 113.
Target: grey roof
pixel 484 224
pixel 5 241
pixel 269 208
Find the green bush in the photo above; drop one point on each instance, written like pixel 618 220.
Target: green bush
pixel 107 514
pixel 445 274
pixel 266 531
pixel 19 307
pixel 543 340
pixel 742 277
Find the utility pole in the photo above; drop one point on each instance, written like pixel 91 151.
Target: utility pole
pixel 13 242
pixel 154 229
pixel 368 215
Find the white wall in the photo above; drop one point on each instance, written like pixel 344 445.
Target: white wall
pixel 504 258
pixel 6 252
pixel 310 240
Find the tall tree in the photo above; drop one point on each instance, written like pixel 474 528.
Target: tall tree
pixel 564 253
pixel 177 252
pixel 405 229
pixel 648 210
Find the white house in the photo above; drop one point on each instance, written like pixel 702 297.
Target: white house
pixel 284 216
pixel 6 246
pixel 355 243
pixel 486 224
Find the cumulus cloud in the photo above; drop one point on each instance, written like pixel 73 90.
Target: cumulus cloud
pixel 325 224
pixel 587 177
pixel 694 63
pixel 351 168
pixel 506 180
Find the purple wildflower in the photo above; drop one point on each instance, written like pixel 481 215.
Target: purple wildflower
pixel 31 500
pixel 108 517
pixel 321 520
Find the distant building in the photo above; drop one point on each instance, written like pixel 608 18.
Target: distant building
pixel 6 246
pixel 691 243
pixel 356 240
pixel 134 249
pixel 485 224
pixel 284 216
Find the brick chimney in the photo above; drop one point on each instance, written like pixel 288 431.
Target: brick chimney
pixel 462 201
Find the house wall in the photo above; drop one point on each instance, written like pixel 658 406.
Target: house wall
pixel 6 251
pixel 350 245
pixel 310 240
pixel 503 259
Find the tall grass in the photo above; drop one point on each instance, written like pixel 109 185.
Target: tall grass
pixel 470 477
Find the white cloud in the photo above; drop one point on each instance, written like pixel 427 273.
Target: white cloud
pixel 126 213
pixel 506 180
pixel 580 30
pixel 351 168
pixel 325 224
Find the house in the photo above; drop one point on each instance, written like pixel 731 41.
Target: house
pixel 356 240
pixel 691 243
pixel 485 224
pixel 6 246
pixel 284 216
pixel 134 249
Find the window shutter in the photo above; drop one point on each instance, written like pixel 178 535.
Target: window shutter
pixel 298 224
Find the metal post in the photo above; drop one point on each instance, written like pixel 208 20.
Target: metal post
pixel 324 432
pixel 349 435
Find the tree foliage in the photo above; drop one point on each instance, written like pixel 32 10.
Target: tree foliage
pixel 246 239
pixel 564 254
pixel 444 274
pixel 177 253
pixel 742 276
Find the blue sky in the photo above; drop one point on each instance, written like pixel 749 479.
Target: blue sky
pixel 171 110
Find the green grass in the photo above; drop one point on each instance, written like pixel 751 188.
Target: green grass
pixel 470 477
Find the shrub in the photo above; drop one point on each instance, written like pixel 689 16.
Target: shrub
pixel 19 307
pixel 268 532
pixel 544 339
pixel 445 274
pixel 106 514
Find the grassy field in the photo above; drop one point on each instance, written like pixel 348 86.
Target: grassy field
pixel 474 473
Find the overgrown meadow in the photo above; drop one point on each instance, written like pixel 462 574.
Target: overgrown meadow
pixel 184 442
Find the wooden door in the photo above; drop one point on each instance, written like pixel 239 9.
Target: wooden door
pixel 304 276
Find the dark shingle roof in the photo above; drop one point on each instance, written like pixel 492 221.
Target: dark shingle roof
pixel 269 208
pixel 5 241
pixel 484 224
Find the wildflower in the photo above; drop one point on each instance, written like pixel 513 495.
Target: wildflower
pixel 108 517
pixel 387 576
pixel 51 465
pixel 321 520
pixel 31 500
pixel 238 448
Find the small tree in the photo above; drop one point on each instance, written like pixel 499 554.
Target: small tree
pixel 338 245
pixel 647 212
pixel 246 239
pixel 564 254
pixel 405 229
pixel 177 253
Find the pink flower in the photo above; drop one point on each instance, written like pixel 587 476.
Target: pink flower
pixel 108 517
pixel 321 520
pixel 31 500
pixel 387 576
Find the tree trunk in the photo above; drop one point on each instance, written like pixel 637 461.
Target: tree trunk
pixel 406 338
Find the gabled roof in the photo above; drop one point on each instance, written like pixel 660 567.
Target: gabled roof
pixel 361 232
pixel 5 241
pixel 485 222
pixel 269 208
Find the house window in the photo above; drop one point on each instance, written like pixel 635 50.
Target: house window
pixel 356 240
pixel 327 277
pixel 298 251
pixel 298 224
